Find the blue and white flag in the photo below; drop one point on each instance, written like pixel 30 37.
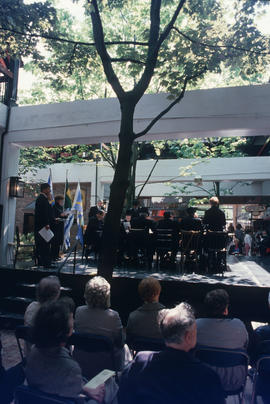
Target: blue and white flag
pixel 68 224
pixel 78 206
pixel 52 201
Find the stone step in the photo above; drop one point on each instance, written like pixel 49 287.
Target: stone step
pixel 15 304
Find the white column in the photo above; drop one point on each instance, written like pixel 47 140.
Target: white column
pixel 10 168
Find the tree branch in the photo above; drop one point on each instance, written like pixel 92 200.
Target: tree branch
pixel 155 42
pixel 206 45
pixel 80 43
pixel 170 106
pixel 71 59
pixel 127 60
pixel 147 179
pixel 102 51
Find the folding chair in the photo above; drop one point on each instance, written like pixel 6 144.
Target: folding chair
pixel 225 358
pixel 190 248
pixel 164 245
pixel 29 395
pixel 93 344
pixel 138 344
pixel 262 372
pixel 214 243
pixel 25 333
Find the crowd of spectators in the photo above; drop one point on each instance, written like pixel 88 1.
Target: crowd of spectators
pixel 248 242
pixel 150 377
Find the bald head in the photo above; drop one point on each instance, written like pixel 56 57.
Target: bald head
pixel 48 289
pixel 176 323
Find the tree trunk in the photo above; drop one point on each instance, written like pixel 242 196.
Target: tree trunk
pixel 117 193
pixel 130 195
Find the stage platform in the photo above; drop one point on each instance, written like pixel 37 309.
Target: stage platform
pixel 240 271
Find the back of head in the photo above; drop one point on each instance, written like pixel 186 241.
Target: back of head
pixel 239 226
pixel 52 325
pixel 191 211
pixel 48 289
pixel 176 322
pixel 144 212
pixel 97 293
pixel 44 186
pixel 167 215
pixel 214 201
pixel 216 302
pixel 149 288
pixel 58 198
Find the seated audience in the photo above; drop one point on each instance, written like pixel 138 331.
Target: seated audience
pixel 47 290
pixel 96 317
pixel 50 367
pixel 144 321
pixel 10 379
pixel 172 376
pixel 220 331
pixel 248 243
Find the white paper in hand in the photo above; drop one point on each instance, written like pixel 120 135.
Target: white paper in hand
pixel 100 378
pixel 47 235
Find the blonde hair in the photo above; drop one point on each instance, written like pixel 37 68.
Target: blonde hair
pixel 214 201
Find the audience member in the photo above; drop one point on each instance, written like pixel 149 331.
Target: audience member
pixel 214 218
pixel 248 242
pixel 168 224
pixel 172 376
pixel 144 320
pixel 47 290
pixel 96 317
pixel 50 367
pixel 240 235
pixel 219 331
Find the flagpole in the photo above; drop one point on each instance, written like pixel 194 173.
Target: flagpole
pixel 66 185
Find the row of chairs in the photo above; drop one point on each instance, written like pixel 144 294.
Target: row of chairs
pixel 216 357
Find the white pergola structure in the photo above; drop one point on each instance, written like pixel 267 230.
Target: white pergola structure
pixel 234 111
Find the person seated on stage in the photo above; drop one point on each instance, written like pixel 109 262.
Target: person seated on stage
pixel 214 218
pixel 96 317
pixel 219 331
pixel 47 290
pixel 57 227
pixel 168 224
pixel 190 222
pixel 144 321
pixel 123 245
pixel 146 240
pixel 171 376
pixel 93 232
pixel 95 209
pixel 49 367
pixel 135 210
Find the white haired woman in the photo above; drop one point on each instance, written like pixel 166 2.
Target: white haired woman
pixel 97 318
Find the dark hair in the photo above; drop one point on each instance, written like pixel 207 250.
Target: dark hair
pixel 216 302
pixel 128 212
pixel 148 289
pixel 59 198
pixel 69 302
pixel 167 215
pixel 191 211
pixel 48 289
pixel 51 325
pixel 44 186
pixel 239 226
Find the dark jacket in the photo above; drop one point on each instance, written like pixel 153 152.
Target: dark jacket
pixel 171 376
pixel 191 223
pixel 214 219
pixel 43 213
pixel 93 230
pixel 142 223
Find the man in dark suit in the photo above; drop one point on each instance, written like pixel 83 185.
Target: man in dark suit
pixel 93 232
pixel 190 222
pixel 43 218
pixel 173 375
pixel 214 218
pixel 168 224
pixel 57 227
pixel 94 209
